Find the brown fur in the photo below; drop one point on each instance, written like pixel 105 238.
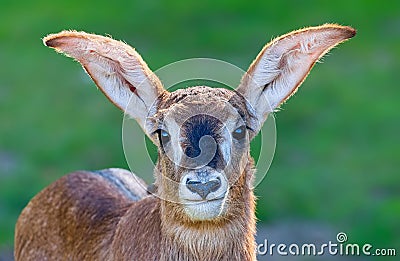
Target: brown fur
pixel 107 215
pixel 81 217
pixel 162 233
pixel 84 215
pixel 75 218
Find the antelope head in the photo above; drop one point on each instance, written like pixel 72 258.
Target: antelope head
pixel 203 134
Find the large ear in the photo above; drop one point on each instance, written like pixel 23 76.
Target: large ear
pixel 115 67
pixel 284 63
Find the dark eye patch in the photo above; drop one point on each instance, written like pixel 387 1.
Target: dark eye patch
pixel 197 127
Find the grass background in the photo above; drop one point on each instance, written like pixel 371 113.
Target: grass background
pixel 337 154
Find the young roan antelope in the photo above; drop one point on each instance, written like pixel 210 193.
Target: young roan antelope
pixel 203 205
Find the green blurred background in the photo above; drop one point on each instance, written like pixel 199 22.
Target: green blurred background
pixel 337 155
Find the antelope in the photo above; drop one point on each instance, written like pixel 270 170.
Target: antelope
pixel 203 205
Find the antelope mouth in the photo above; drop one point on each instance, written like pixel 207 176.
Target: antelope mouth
pixel 204 209
pixel 203 193
pixel 202 201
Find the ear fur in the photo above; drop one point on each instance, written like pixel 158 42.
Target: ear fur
pixel 284 63
pixel 115 67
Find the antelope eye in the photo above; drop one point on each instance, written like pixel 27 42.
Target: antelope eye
pixel 163 136
pixel 239 133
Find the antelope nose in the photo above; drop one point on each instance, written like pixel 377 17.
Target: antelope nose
pixel 203 188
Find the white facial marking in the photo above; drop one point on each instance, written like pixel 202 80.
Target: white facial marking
pixel 175 151
pixel 226 145
pixel 194 205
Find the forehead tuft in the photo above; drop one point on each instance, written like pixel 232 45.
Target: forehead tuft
pixel 198 93
pixel 203 99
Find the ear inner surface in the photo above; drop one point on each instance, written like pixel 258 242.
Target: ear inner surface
pixel 283 64
pixel 115 67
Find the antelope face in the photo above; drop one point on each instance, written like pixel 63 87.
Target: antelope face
pixel 203 137
pixel 202 133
